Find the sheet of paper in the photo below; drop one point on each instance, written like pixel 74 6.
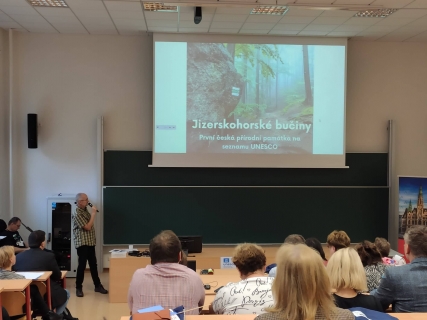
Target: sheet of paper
pixel 31 275
pixel 2 237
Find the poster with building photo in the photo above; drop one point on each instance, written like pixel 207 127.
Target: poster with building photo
pixel 412 208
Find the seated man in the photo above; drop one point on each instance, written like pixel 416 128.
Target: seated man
pixel 337 240
pixel 405 287
pixel 13 238
pixel 36 259
pixel 291 239
pixel 166 282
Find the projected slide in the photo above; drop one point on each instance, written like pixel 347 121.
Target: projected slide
pixel 236 98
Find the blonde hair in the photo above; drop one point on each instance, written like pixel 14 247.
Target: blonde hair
pixel 249 257
pixel 301 286
pixel 345 270
pixel 6 254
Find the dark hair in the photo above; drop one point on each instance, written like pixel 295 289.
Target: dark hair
pixel 165 247
pixel 294 239
pixel 249 257
pixel 416 238
pixel 3 225
pixel 338 239
pixel 315 244
pixel 36 238
pixel 383 246
pixel 184 260
pixel 368 253
pixel 14 220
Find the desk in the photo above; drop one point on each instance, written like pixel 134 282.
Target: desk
pixel 122 269
pixel 1 313
pixel 19 285
pixel 400 316
pixel 45 277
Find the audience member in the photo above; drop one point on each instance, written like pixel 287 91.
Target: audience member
pixel 383 247
pixel 316 245
pixel 7 260
pixel 372 262
pixel 301 288
pixel 36 259
pixel 13 238
pixel 166 282
pixel 251 295
pixel 337 240
pixel 347 277
pixel 291 239
pixel 405 287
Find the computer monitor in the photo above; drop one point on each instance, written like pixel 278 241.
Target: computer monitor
pixel 191 264
pixel 191 244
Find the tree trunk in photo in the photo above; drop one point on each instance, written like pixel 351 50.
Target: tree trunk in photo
pixel 308 93
pixel 231 47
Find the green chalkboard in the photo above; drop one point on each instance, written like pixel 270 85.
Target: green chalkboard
pixel 236 205
pixel 133 215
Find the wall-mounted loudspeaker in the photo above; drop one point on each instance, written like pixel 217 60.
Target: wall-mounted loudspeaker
pixel 32 130
pixel 197 15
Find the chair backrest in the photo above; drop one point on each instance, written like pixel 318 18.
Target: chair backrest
pixel 41 286
pixel 13 302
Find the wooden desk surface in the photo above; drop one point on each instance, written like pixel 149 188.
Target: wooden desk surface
pixel 15 284
pixel 63 274
pixel 400 316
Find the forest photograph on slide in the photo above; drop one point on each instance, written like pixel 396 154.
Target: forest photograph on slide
pixel 249 98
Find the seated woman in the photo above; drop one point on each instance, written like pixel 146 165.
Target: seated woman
pixel 301 288
pixel 372 262
pixel 7 260
pixel 251 295
pixel 337 240
pixel 348 279
pixel 383 247
pixel 316 245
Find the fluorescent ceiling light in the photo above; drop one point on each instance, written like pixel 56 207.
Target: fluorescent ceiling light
pixel 274 10
pixel 159 6
pixel 380 13
pixel 48 3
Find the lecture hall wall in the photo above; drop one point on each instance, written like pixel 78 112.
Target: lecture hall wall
pixel 71 80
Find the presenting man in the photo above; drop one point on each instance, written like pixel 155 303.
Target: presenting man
pixel 85 241
pixel 405 286
pixel 166 282
pixel 12 236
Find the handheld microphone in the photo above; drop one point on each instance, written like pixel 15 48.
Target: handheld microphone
pixel 28 228
pixel 91 205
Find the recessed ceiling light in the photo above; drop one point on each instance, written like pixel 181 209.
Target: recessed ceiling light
pixel 275 10
pixel 48 3
pixel 159 6
pixel 379 13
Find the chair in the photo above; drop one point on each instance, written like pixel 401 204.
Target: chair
pixel 14 302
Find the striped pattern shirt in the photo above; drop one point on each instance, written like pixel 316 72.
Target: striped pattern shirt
pixel 83 237
pixel 10 275
pixel 167 284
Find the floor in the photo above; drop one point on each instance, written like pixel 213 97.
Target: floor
pixel 94 306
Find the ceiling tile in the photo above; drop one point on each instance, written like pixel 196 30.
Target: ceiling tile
pixel 230 17
pixel 226 25
pixel 363 21
pixel 283 32
pixel 320 27
pixel 191 24
pixel 162 23
pixel 417 4
pixel 69 20
pixel 395 22
pixel 85 4
pixel 418 38
pixel 290 27
pixel 161 15
pixel 54 12
pixel 162 29
pixel 70 28
pixel 190 17
pixel 337 13
pixel 325 2
pixel 129 22
pixel 253 26
pixel 104 31
pixel 131 32
pixel 21 3
pixel 341 34
pixel 127 14
pixel 381 28
pixel 190 9
pixel 350 28
pixel 19 10
pixel 80 13
pixel 9 25
pixel 193 30
pixel 27 18
pixel 312 33
pixel 224 10
pixel 263 18
pixel 409 13
pixel 297 19
pixel 391 3
pixel 347 2
pixel 123 6
pixel 224 30
pixel 330 20
pixel 97 21
pixel 299 12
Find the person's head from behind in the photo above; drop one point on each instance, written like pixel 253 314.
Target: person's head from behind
pixel 301 285
pixel 383 246
pixel 3 225
pixel 7 257
pixel 345 271
pixel 249 259
pixel 337 240
pixel 37 239
pixel 294 239
pixel 368 253
pixel 14 224
pixel 415 242
pixel 165 247
pixel 316 245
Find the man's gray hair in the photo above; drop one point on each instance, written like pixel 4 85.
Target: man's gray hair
pixel 79 195
pixel 416 238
